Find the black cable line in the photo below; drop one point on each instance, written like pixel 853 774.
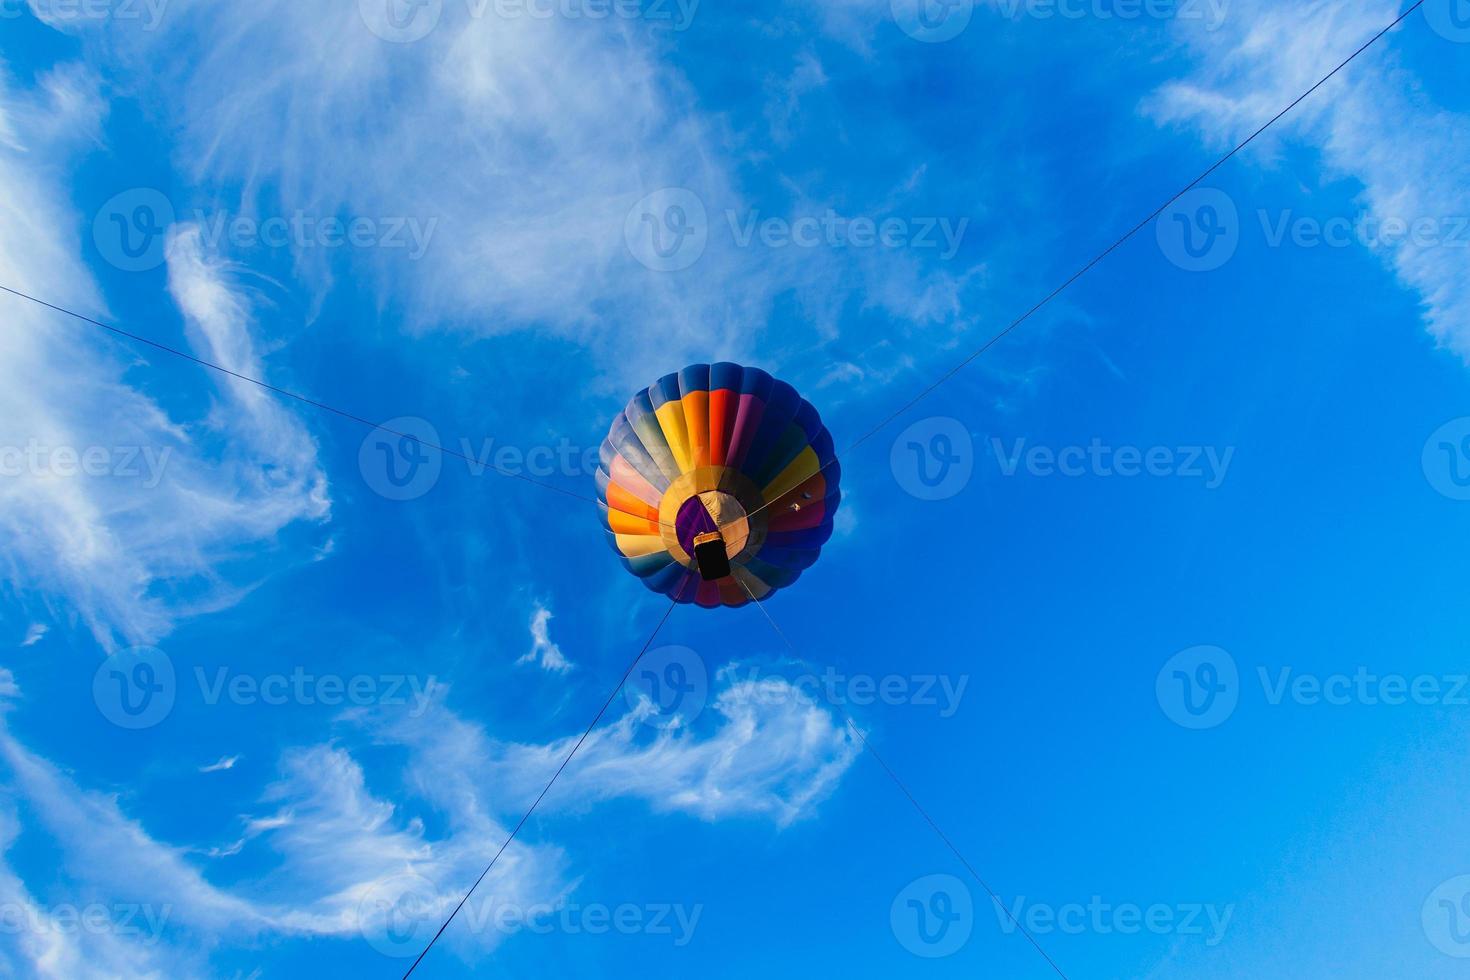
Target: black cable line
pixel 287 393
pixel 554 776
pixel 903 788
pixel 1107 251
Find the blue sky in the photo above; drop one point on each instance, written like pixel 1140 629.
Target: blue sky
pixel 1164 631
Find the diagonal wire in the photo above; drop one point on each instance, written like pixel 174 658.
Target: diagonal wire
pixel 903 788
pixel 1095 260
pixel 551 782
pixel 296 396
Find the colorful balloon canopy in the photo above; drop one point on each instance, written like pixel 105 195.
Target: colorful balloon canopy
pixel 718 449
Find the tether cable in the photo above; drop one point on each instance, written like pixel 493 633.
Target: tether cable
pixel 903 788
pixel 296 396
pixel 551 782
pixel 1107 251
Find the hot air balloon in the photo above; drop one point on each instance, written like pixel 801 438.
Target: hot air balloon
pixel 718 483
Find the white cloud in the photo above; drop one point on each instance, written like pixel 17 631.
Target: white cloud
pixel 227 762
pixel 270 461
pixel 543 650
pixel 110 508
pixel 784 95
pixel 338 846
pixel 109 856
pixel 527 139
pixel 341 846
pixel 527 142
pixel 50 942
pixel 343 858
pixel 771 753
pixel 1373 124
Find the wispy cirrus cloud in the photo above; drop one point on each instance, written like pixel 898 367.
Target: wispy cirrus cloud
pixel 345 859
pixel 1374 124
pixel 770 753
pixel 543 650
pixel 110 509
pixel 45 941
pixel 536 147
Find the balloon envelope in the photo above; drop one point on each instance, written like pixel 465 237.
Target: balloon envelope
pixel 718 448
